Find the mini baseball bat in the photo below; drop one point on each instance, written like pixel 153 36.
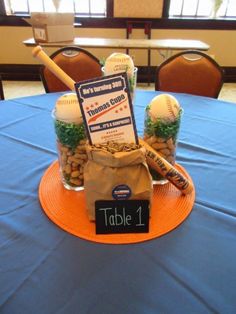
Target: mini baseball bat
pixel 53 67
pixel 163 167
pixel 154 160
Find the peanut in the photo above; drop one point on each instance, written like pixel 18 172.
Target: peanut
pixel 75 174
pixel 160 145
pixel 165 147
pixel 72 163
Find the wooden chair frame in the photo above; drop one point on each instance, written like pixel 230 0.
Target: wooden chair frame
pixel 1 90
pixel 199 54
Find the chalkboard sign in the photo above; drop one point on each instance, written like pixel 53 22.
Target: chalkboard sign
pixel 122 216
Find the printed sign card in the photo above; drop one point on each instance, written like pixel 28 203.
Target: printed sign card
pixel 107 109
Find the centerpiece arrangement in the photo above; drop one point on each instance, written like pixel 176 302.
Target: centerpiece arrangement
pixel 99 149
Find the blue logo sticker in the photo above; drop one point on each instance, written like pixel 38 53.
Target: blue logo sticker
pixel 121 192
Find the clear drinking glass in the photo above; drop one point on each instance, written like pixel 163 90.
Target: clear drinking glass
pixel 71 140
pixel 162 136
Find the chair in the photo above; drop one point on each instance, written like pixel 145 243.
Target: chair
pixel 1 90
pixel 191 72
pixel 78 63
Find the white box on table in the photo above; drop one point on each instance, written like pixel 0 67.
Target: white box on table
pixel 52 27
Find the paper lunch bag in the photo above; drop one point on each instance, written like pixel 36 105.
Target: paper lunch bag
pixel 104 172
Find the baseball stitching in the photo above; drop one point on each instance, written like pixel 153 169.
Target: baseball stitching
pixel 169 108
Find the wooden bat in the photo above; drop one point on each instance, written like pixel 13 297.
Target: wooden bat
pixel 154 160
pixel 163 167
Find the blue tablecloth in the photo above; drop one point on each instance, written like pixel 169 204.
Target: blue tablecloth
pixel 45 270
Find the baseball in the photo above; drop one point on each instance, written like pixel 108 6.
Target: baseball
pixel 119 62
pixel 164 107
pixel 67 109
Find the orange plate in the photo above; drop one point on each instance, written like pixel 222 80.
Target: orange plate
pixel 67 209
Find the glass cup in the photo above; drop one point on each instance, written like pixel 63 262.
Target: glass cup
pixel 132 81
pixel 162 136
pixel 71 140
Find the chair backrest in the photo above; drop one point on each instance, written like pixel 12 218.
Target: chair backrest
pixel 191 72
pixel 78 63
pixel 1 90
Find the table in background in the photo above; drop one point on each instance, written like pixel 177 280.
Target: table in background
pixel 156 44
pixel 43 269
pixel 147 28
